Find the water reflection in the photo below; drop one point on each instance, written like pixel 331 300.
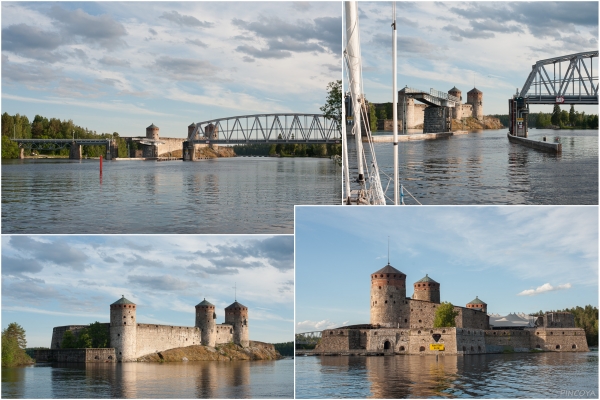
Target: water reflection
pixel 243 379
pixel 546 375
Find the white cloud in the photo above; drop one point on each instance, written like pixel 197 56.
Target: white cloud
pixel 309 326
pixel 546 287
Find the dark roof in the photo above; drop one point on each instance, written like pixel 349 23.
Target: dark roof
pixel 122 300
pixel 235 304
pixel 192 124
pixel 388 269
pixel 426 279
pixel 205 303
pixel 476 301
pixel 454 89
pixel 474 90
pixel 152 127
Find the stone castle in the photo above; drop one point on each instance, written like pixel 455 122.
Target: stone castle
pixel 132 340
pixel 404 325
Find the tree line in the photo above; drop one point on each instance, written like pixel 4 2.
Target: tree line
pixel 557 118
pixel 19 127
pixel 285 349
pixel 288 150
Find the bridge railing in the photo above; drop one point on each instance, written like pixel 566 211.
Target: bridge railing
pixel 309 128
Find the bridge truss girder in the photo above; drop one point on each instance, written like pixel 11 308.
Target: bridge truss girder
pixel 57 144
pixel 269 128
pixel 577 85
pixel 312 338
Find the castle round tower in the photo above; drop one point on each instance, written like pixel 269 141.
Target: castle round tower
pixel 426 289
pixel 410 109
pixel 123 329
pixel 152 132
pixel 457 109
pixel 477 305
pixel 206 320
pixel 191 128
pixel 388 298
pixel 237 315
pixel 475 98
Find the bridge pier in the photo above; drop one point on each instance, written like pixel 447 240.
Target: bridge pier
pixel 189 151
pixel 75 151
pixel 21 153
pixel 437 119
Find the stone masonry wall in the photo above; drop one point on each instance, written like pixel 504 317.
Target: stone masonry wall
pixel 224 333
pixel 58 333
pixel 498 340
pixel 75 355
pixel 154 338
pixel 470 341
pixel 470 318
pixel 559 320
pixel 422 313
pixel 420 339
pixel 563 339
pixel 170 145
pixel 333 340
pixel 436 120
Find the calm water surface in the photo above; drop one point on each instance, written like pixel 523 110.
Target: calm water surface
pixel 226 195
pixel 482 167
pixel 193 379
pixel 548 375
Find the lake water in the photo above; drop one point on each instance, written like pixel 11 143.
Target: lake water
pixel 547 375
pixel 193 379
pixel 482 167
pixel 226 195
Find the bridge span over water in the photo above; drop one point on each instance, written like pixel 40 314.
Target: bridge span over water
pixel 266 128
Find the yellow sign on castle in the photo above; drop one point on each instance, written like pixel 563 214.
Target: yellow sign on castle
pixel 437 346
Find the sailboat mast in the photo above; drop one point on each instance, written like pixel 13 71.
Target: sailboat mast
pixel 353 56
pixel 345 152
pixel 395 102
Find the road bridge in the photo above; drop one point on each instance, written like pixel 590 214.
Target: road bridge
pixel 566 79
pixel 308 338
pixel 59 144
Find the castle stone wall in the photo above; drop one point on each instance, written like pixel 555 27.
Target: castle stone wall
pixel 470 341
pixel 170 145
pixel 420 339
pixel 559 320
pixel 563 339
pixel 224 333
pixel 75 355
pixel 422 314
pixel 155 338
pixel 499 340
pixel 334 340
pixel 58 334
pixel 389 306
pixel 471 318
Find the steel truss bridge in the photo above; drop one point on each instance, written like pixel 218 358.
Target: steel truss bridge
pixel 267 128
pixel 308 337
pixel 59 144
pixel 431 98
pixel 573 83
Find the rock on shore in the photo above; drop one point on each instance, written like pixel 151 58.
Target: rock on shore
pixel 223 352
pixel 473 124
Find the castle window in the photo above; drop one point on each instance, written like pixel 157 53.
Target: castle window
pixel 405 320
pixel 419 321
pixel 386 302
pixel 464 348
pixel 118 334
pixel 124 317
pixel 419 332
pixel 538 346
pixel 431 331
pixel 471 348
pixel 478 348
pixel 401 348
pixel 444 331
pixel 422 348
pixel 394 302
pixel 379 287
pixel 574 346
pixel 558 346
pixel 124 322
pixel 552 333
pixel 563 333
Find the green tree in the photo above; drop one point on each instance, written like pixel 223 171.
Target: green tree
pixel 69 341
pixel 13 346
pixel 572 116
pixel 9 148
pixel 445 315
pixel 333 103
pixel 372 117
pixel 285 349
pixel 555 115
pixel 84 341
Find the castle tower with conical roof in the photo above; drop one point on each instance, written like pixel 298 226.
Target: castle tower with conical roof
pixel 123 329
pixel 389 307
pixel 206 320
pixel 427 289
pixel 457 109
pixel 475 98
pixel 237 315
pixel 477 305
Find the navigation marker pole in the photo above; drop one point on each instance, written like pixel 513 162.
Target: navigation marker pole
pixel 395 102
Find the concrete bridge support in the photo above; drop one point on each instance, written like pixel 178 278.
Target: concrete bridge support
pixel 21 153
pixel 189 151
pixel 437 119
pixel 75 151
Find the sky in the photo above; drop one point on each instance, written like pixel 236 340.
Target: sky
pixel 490 45
pixel 121 66
pixel 50 281
pixel 514 258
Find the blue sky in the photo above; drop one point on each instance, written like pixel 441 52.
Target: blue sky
pixel 500 254
pixel 490 44
pixel 50 281
pixel 120 66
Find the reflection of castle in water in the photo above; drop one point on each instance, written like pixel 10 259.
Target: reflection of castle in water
pixel 403 325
